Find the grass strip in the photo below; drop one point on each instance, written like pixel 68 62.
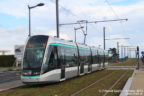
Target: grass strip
pixel 129 62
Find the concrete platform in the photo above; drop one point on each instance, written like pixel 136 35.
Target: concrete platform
pixel 137 86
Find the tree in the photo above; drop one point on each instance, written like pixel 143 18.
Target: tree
pixel 113 52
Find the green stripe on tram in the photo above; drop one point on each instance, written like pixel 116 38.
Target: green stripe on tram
pixel 31 76
pixel 58 44
pixel 64 45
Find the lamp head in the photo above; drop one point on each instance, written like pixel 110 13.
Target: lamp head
pixel 40 4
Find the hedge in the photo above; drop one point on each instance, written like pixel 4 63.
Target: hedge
pixel 7 60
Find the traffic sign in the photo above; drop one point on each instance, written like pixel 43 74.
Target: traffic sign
pixel 142 52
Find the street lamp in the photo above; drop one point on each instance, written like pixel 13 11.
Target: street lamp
pixel 31 7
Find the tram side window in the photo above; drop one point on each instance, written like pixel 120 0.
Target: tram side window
pixel 52 61
pixel 82 56
pixel 87 57
pixel 69 56
pixel 100 58
pixel 95 57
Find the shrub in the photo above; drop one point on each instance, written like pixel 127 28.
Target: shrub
pixel 7 60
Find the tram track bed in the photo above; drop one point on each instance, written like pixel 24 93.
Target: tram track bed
pixel 94 84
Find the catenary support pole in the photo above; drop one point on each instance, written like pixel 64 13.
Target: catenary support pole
pixel 57 17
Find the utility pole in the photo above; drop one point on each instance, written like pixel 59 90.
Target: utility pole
pixel 104 45
pixel 57 17
pixel 85 32
pixel 121 51
pixel 124 51
pixel 104 36
pixel 29 21
pixel 138 57
pixel 128 52
pixel 118 49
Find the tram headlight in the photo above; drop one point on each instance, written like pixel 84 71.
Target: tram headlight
pixel 27 72
pixel 36 73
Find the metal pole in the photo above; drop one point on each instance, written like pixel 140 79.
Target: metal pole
pixel 124 51
pixel 104 37
pixel 85 33
pixel 138 57
pixel 121 51
pixel 118 49
pixel 84 38
pixel 29 21
pixel 57 17
pixel 135 54
pixel 75 34
pixel 128 52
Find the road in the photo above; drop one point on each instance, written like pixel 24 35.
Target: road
pixel 9 77
pixel 9 80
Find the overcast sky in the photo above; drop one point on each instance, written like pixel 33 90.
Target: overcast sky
pixel 14 21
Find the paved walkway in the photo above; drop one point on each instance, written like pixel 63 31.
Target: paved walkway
pixel 137 86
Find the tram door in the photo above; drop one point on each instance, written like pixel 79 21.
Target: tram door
pixel 89 67
pixel 62 62
pixel 99 61
pixel 82 61
pixel 62 71
pixel 81 68
pixel 89 61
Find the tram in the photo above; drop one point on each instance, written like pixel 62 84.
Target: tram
pixel 50 59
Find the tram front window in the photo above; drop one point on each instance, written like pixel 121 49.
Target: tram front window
pixel 33 56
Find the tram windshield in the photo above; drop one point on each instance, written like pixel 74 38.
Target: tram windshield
pixel 34 53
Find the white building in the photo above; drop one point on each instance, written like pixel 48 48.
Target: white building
pixel 18 53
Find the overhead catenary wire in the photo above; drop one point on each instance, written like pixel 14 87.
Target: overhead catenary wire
pixel 112 8
pixel 79 23
pixel 69 11
pixel 115 13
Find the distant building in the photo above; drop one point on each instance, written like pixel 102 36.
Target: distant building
pixel 3 52
pixel 18 53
